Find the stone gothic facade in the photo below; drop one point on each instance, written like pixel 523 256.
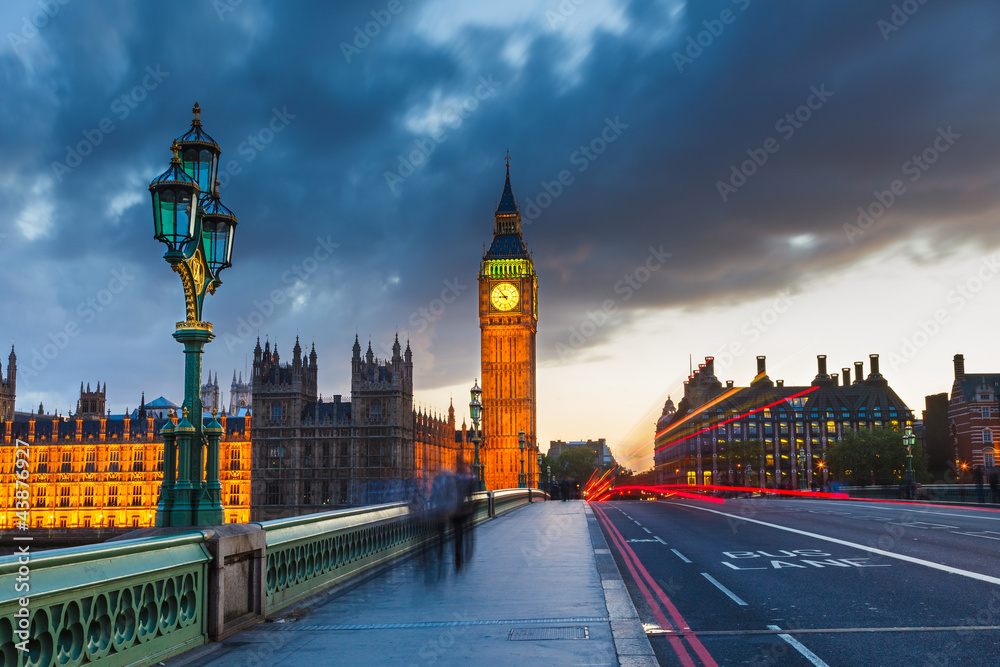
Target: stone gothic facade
pixel 311 454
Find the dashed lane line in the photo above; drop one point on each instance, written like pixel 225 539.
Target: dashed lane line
pixel 732 596
pixel 798 646
pixel 680 555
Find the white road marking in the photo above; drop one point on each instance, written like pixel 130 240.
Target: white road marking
pixel 647 530
pixel 732 596
pixel 680 555
pixel 985 534
pixel 659 540
pixel 974 514
pixel 797 645
pixel 882 552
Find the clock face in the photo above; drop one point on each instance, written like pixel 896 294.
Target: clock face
pixel 504 296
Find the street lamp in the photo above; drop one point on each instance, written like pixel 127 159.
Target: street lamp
pixel 548 477
pixel 198 230
pixel 538 472
pixel 476 410
pixel 801 472
pixel 522 483
pixel 908 440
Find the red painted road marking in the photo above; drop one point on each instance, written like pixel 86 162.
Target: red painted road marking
pixel 679 623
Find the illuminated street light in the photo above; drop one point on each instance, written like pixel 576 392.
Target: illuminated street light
pixel 476 410
pixel 522 483
pixel 198 230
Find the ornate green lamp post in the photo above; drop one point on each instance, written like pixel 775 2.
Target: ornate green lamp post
pixel 538 474
pixel 198 231
pixel 908 440
pixel 476 410
pixel 522 483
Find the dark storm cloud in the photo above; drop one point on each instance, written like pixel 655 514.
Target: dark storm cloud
pixel 400 252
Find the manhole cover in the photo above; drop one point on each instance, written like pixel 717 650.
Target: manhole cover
pixel 536 634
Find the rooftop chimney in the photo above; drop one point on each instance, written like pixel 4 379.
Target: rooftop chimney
pixel 821 364
pixel 836 379
pixel 859 372
pixel 846 372
pixel 761 365
pixel 710 366
pixel 781 383
pixel 959 366
pixel 873 359
pixel 729 384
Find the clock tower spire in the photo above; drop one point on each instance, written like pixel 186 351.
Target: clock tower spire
pixel 508 321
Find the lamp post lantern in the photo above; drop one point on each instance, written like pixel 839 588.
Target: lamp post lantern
pixel 198 230
pixel 538 475
pixel 476 410
pixel 908 440
pixel 522 483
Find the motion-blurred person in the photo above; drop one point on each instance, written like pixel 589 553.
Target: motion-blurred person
pixel 462 516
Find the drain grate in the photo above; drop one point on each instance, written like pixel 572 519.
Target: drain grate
pixel 538 634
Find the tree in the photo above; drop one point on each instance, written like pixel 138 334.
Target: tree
pixel 576 463
pixel 741 455
pixel 875 456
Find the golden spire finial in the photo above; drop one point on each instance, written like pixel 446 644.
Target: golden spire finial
pixel 508 158
pixel 196 110
pixel 214 412
pixel 175 148
pixel 185 413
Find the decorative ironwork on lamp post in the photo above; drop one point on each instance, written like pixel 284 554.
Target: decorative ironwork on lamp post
pixel 538 473
pixel 908 440
pixel 476 410
pixel 198 230
pixel 522 483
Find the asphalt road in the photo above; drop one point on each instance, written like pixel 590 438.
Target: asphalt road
pixel 810 582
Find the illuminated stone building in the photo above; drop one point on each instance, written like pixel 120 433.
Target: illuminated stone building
pixel 508 321
pixel 974 419
pixel 95 471
pixel 795 424
pixel 311 454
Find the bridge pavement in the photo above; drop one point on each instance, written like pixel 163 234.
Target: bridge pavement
pixel 538 576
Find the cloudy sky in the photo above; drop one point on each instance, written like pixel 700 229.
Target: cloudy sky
pixel 738 178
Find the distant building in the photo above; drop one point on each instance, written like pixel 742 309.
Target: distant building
pixel 8 387
pixel 795 424
pixel 937 444
pixel 973 418
pixel 211 399
pixel 96 471
pixel 600 447
pixel 310 455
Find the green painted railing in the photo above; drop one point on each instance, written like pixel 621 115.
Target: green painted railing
pixel 125 603
pixel 136 602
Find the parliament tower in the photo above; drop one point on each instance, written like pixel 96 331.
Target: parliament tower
pixel 508 319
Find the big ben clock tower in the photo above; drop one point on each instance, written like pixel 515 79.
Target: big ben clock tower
pixel 508 319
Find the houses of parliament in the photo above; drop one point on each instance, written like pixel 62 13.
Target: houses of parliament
pixel 287 450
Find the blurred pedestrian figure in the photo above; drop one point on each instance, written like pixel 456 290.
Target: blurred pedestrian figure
pixel 977 477
pixel 994 485
pixel 462 516
pixel 443 504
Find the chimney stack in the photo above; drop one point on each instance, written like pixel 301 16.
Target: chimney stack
pixel 873 360
pixel 846 372
pixel 729 384
pixel 959 366
pixel 836 379
pixel 781 383
pixel 761 366
pixel 859 372
pixel 821 364
pixel 710 366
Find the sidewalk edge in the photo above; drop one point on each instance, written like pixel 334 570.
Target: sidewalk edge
pixel 631 643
